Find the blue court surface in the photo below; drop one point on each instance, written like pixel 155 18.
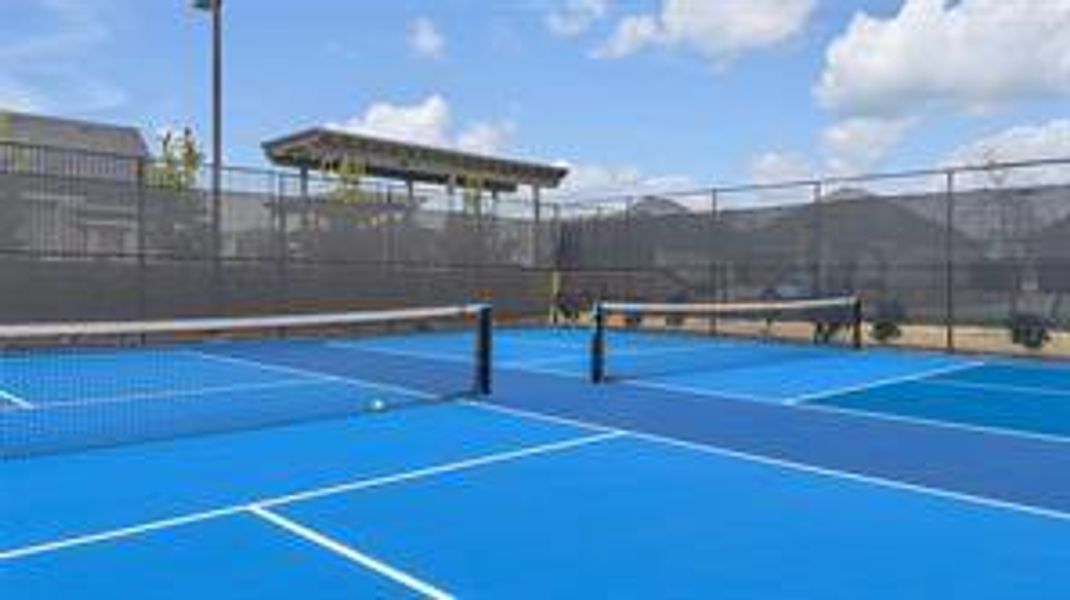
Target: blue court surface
pixel 703 468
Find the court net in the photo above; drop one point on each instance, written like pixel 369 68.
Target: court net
pixel 633 340
pixel 66 387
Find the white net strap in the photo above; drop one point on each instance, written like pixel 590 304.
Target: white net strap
pixel 117 328
pixel 730 308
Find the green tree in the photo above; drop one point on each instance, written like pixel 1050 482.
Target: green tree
pixel 176 215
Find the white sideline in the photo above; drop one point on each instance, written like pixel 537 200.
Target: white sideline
pixel 400 352
pixel 879 416
pixel 248 362
pixel 577 344
pixel 788 464
pixel 522 363
pixel 360 484
pixel 714 393
pixel 884 382
pixel 698 391
pixel 417 585
pixel 16 400
pixel 999 387
pixel 982 429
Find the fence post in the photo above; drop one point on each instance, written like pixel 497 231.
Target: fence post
pixel 711 248
pixel 142 263
pixel 817 282
pixel 949 262
pixel 282 251
pixel 216 218
pixel 631 262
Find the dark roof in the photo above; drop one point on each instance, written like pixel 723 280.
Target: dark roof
pixel 322 149
pixel 70 134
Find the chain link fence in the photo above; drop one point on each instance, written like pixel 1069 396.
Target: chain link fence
pixel 96 236
pixel 975 259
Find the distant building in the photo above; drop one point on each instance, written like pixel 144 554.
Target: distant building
pixel 44 211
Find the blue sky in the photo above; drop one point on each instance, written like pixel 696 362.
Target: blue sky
pixel 626 92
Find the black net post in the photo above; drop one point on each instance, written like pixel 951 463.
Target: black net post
pixel 598 344
pixel 484 349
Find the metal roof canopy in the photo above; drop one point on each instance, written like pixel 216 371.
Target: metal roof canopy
pixel 322 149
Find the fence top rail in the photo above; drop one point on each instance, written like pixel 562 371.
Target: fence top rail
pixel 815 182
pixel 281 175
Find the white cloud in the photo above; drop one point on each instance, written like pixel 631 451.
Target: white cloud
pixel 859 144
pixel 576 16
pixel 1025 142
pixel 14 96
pixel 779 167
pixel 591 181
pixel 1021 143
pixel 719 31
pixel 486 137
pixel 49 71
pixel 429 122
pixel 425 39
pixel 964 55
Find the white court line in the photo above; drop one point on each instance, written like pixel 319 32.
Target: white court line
pixel 880 416
pixel 16 400
pixel 405 353
pixel 121 398
pixel 698 391
pixel 559 344
pixel 982 429
pixel 872 414
pixel 360 484
pixel 999 387
pixel 248 362
pixel 398 576
pixel 877 383
pixel 119 533
pixel 521 363
pixel 604 434
pixel 658 386
pixel 790 465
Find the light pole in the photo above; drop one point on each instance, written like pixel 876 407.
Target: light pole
pixel 215 7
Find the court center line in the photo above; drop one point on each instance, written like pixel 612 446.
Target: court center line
pixel 877 383
pixel 603 434
pixel 264 366
pixel 789 464
pixel 999 387
pixel 18 401
pixel 349 553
